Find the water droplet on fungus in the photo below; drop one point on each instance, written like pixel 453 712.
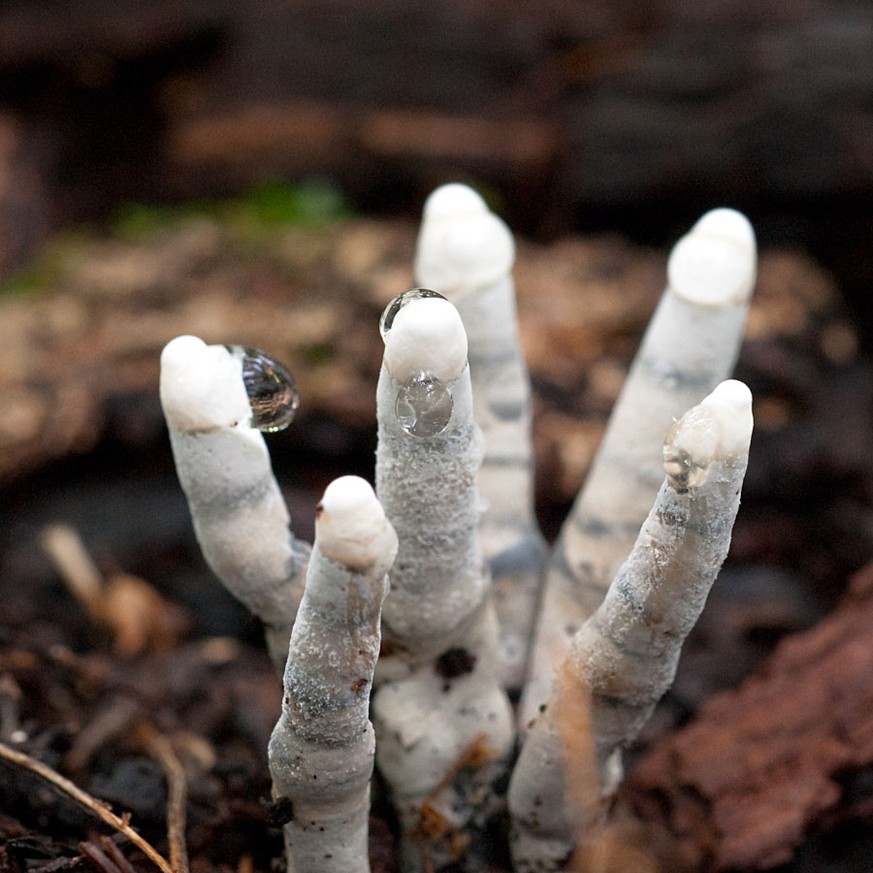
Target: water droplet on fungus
pixel 271 389
pixel 401 300
pixel 424 406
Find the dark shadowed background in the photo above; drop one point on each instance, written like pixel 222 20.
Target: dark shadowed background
pixel 575 115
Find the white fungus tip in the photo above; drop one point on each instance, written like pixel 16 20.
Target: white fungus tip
pixel 726 222
pixel 452 200
pixel 181 351
pixel 201 386
pixel 715 263
pixel 731 402
pixel 351 528
pixel 462 245
pixel 719 428
pixel 349 495
pixel 427 336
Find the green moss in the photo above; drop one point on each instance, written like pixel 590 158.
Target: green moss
pixel 250 219
pixel 253 215
pixel 307 204
pixel 45 272
pixel 139 222
pixel 28 281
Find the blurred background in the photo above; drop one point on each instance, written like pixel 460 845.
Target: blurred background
pixel 575 116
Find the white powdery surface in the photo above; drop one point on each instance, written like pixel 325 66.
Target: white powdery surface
pixel 351 528
pixel 714 264
pixel 201 386
pixel 426 336
pixel 717 429
pixel 462 244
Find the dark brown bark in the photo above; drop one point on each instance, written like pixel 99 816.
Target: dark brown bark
pixel 765 766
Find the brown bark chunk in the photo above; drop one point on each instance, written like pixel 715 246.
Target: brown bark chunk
pixel 763 766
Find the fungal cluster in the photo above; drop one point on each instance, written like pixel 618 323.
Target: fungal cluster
pixel 429 633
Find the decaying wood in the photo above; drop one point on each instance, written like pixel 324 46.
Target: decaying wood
pixel 766 765
pixel 309 131
pixel 622 102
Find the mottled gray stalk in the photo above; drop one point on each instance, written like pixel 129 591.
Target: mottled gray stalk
pixel 239 515
pixel 691 345
pixel 443 723
pixel 466 252
pixel 322 749
pixel 624 658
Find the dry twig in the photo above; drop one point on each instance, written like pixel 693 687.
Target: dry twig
pixel 116 855
pixel 160 748
pixel 100 809
pixel 98 857
pixel 106 856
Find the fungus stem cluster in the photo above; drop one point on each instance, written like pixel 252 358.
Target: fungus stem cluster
pixel 420 604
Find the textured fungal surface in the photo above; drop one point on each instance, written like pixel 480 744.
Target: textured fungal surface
pixel 429 594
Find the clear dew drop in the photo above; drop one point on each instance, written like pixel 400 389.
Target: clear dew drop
pixel 401 300
pixel 424 406
pixel 684 472
pixel 271 389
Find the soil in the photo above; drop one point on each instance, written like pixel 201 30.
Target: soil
pixel 87 688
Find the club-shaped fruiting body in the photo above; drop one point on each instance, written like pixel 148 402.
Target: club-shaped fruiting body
pixel 690 345
pixel 322 749
pixel 461 245
pixel 443 724
pixel 624 657
pixel 467 253
pixel 438 691
pixel 428 486
pixel 239 514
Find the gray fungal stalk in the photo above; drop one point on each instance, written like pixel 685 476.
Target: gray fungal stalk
pixel 690 346
pixel 216 400
pixel 467 253
pixel 322 749
pixel 443 723
pixel 624 658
